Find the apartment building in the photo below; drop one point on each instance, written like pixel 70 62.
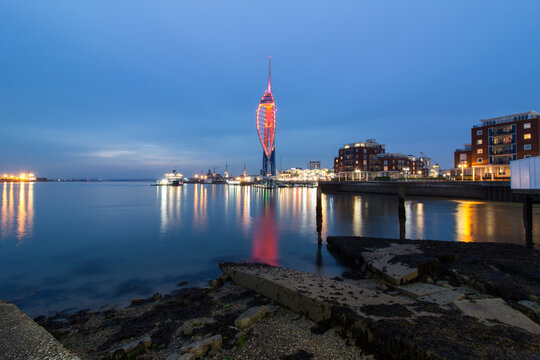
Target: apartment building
pixel 497 141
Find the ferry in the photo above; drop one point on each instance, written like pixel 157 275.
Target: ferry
pixel 172 179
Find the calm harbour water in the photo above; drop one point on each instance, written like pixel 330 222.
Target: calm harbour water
pixel 84 245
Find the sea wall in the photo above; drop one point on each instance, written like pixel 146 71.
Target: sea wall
pixel 497 191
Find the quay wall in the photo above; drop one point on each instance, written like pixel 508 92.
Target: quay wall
pixel 497 191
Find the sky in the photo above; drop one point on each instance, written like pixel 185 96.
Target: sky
pixel 131 89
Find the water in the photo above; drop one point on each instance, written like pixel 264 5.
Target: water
pixel 84 245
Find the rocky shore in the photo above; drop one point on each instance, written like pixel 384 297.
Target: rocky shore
pixel 221 321
pixel 404 299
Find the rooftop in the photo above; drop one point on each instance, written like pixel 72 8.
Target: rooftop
pixel 509 118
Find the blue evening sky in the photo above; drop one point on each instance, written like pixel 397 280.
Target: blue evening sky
pixel 120 89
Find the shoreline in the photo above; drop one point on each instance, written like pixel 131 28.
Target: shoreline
pixel 403 299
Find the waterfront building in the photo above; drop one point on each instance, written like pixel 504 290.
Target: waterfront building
pixel 314 165
pixel 497 141
pixel 369 159
pixel 298 174
pixel 266 127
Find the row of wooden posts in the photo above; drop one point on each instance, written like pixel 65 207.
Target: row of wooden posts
pixel 527 217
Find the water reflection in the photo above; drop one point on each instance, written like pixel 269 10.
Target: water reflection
pixel 170 205
pixel 17 216
pixel 265 234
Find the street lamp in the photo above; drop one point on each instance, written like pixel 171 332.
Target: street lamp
pixel 463 165
pixel 406 172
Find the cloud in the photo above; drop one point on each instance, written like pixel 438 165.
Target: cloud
pixel 142 154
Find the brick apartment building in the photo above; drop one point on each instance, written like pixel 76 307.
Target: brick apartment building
pixel 496 142
pixel 368 159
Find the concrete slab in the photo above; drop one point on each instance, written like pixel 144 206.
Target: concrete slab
pixel 443 298
pixel 383 261
pixel 393 327
pixel 22 338
pixel 416 290
pixel 488 310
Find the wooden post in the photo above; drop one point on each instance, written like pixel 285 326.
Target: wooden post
pixel 401 213
pixel 527 220
pixel 319 220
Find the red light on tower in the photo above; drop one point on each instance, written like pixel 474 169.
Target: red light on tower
pixel 266 125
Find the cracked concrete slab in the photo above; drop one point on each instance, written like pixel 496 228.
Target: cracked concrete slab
pixel 22 338
pixel 388 326
pixel 383 261
pixel 494 310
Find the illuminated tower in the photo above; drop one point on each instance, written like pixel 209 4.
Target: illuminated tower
pixel 266 127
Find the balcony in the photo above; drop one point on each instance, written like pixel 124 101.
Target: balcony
pixel 503 150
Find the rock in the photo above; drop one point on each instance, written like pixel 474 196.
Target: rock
pixel 182 283
pixel 487 310
pixel 188 356
pixel 188 331
pixel 157 296
pixel 216 282
pixel 443 298
pixel 137 301
pixel 442 282
pixel 176 356
pixel 417 290
pixel 199 348
pixel 429 280
pixel 251 315
pixel 119 352
pixel 532 306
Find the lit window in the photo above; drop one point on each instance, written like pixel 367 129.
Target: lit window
pixel 527 147
pixel 526 136
pixel 478 132
pixel 480 160
pixel 479 151
pixel 479 142
pixel 527 125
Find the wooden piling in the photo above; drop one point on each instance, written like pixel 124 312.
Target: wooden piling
pixel 527 220
pixel 401 213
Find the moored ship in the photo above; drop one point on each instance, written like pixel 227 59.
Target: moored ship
pixel 172 179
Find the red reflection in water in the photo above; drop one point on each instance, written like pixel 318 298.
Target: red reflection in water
pixel 265 239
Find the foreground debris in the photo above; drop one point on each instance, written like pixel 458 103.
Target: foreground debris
pixel 223 321
pixel 396 326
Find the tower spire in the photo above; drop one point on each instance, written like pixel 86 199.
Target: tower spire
pixel 269 73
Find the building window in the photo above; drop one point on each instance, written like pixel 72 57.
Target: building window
pixel 526 136
pixel 527 147
pixel 479 142
pixel 463 156
pixel 479 151
pixel 527 125
pixel 478 132
pixel 480 160
pixel 527 156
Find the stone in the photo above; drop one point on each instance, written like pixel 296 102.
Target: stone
pixel 487 310
pixel 187 356
pixel 157 296
pixel 188 331
pixel 416 290
pixel 381 260
pixel 176 356
pixel 443 298
pixel 251 315
pixel 182 283
pixel 129 347
pixel 137 301
pixel 199 348
pixel 532 306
